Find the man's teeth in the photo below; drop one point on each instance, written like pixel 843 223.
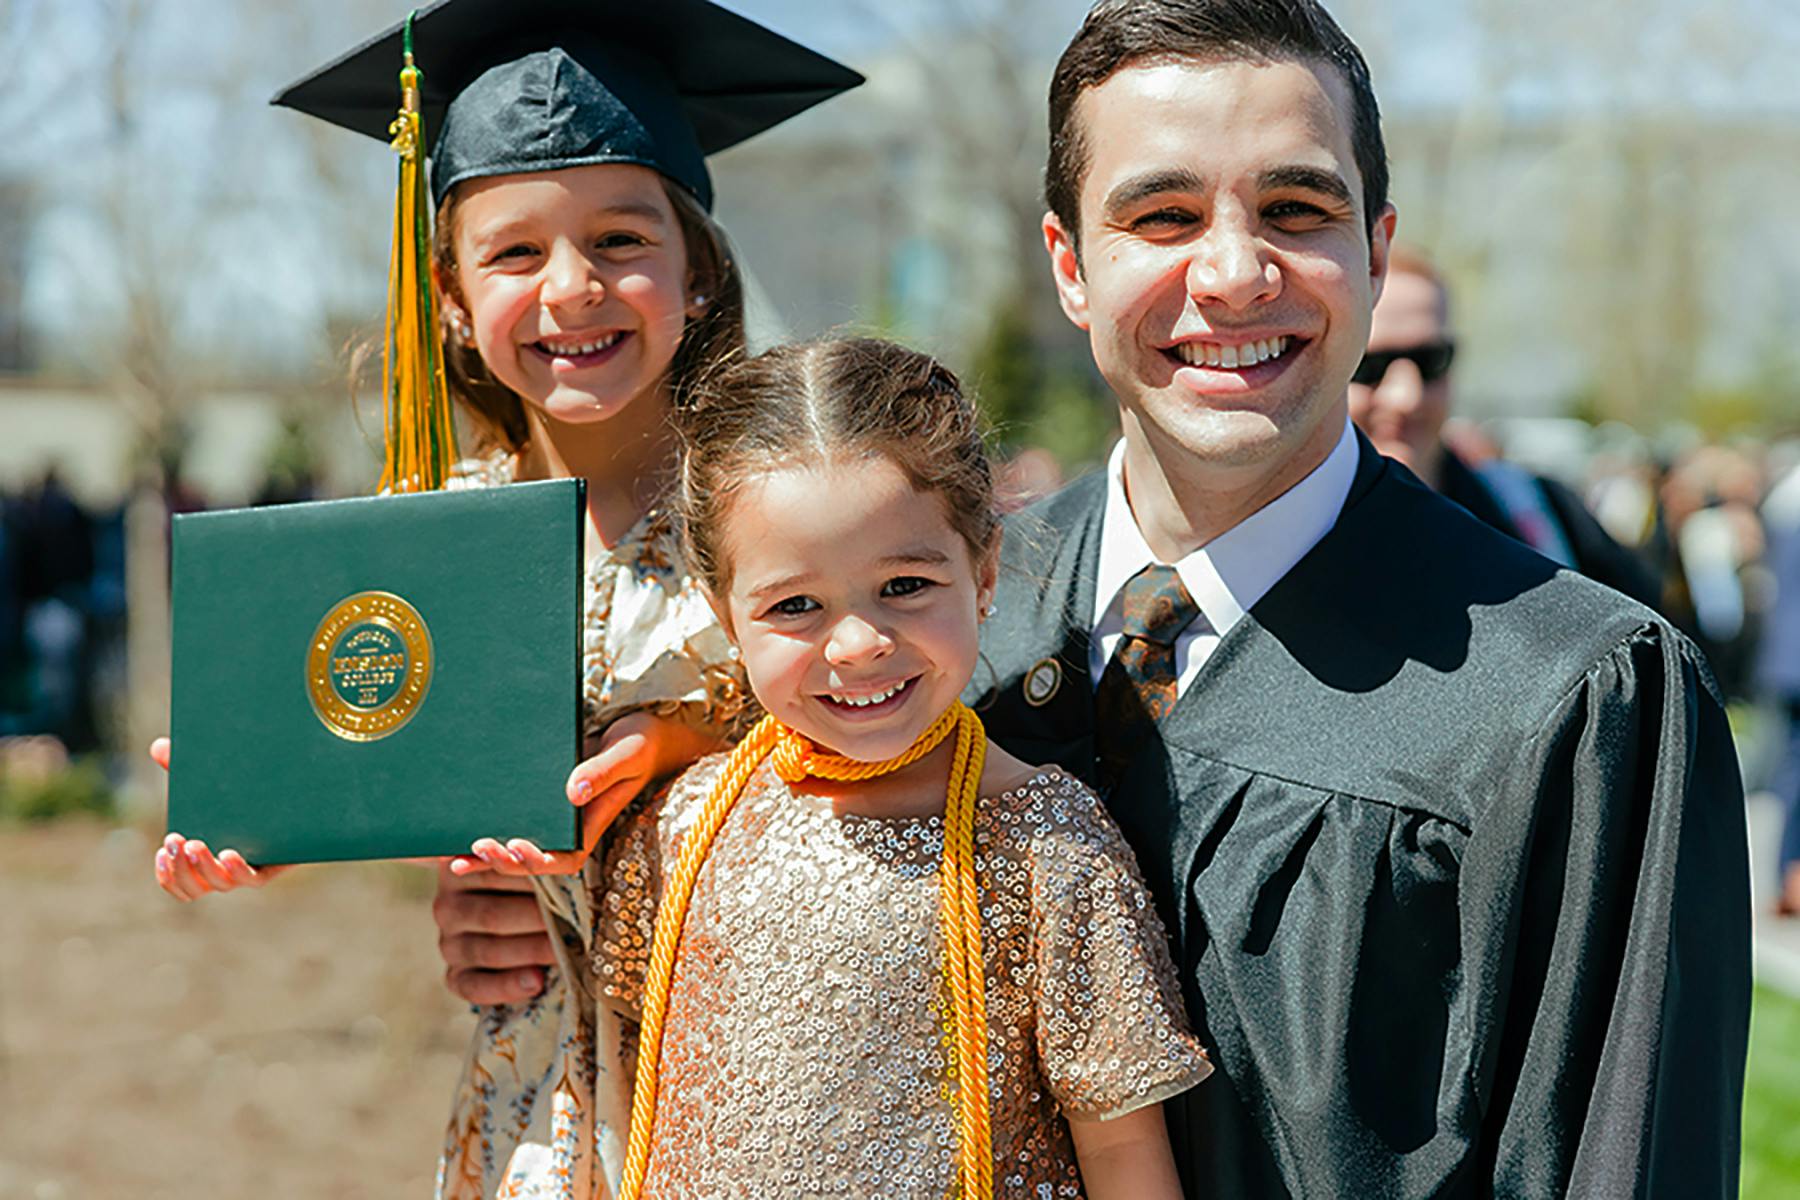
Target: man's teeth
pixel 876 698
pixel 580 347
pixel 1211 354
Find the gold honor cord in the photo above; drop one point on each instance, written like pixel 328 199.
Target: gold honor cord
pixel 794 759
pixel 421 441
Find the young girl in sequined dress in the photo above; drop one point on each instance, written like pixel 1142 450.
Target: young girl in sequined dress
pixel 872 953
pixel 584 290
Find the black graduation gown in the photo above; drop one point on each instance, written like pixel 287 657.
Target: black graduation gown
pixel 1452 847
pixel 1596 554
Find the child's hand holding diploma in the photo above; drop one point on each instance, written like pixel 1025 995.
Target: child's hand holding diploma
pixel 631 753
pixel 188 870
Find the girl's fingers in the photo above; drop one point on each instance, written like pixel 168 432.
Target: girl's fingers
pixel 238 870
pixel 497 857
pixel 612 801
pixel 173 873
pixel 159 752
pixel 490 851
pixel 528 854
pixel 165 864
pixel 165 874
pixel 520 857
pixel 241 873
pixel 188 884
pixel 207 867
pixel 629 756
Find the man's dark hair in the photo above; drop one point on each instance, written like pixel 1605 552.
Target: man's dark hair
pixel 1123 33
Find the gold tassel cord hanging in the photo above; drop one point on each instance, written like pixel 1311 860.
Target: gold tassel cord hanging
pixel 420 437
pixel 795 758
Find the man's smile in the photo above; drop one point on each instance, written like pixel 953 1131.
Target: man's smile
pixel 1218 367
pixel 1231 355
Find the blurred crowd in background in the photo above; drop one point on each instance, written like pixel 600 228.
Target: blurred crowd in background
pixel 62 615
pixel 1707 521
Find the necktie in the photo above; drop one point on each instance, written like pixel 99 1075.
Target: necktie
pixel 1137 689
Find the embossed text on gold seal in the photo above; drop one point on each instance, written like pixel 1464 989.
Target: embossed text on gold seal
pixel 368 666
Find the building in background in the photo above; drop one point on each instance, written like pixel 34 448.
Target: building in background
pixel 15 216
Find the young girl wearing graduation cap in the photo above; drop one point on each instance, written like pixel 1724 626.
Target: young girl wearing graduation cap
pixel 581 289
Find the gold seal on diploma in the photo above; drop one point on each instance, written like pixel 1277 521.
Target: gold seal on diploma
pixel 368 666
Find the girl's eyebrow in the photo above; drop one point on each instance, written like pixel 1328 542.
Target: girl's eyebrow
pixel 913 556
pixel 923 555
pixel 515 228
pixel 786 583
pixel 481 235
pixel 633 208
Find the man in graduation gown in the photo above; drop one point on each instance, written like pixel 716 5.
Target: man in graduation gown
pixel 1451 842
pixel 1402 393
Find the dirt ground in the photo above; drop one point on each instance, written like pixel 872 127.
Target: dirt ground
pixel 291 1042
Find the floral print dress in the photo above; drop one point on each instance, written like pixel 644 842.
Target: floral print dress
pixel 544 1100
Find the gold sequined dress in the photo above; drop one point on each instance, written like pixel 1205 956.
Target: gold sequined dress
pixel 543 1103
pixel 804 1050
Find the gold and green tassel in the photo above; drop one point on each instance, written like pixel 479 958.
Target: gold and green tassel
pixel 420 435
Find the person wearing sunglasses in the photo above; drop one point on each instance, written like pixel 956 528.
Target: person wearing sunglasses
pixel 1400 396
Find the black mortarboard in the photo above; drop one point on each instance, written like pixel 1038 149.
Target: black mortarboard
pixel 532 85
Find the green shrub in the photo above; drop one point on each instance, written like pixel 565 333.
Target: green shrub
pixel 1772 1098
pixel 79 789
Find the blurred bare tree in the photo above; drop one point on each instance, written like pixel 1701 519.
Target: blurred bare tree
pixel 22 105
pixel 979 73
pixel 188 245
pixel 1589 177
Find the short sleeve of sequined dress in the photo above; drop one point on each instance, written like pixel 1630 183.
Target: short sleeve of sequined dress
pixel 1112 1033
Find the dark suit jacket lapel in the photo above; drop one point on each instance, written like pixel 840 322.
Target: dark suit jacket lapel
pixel 1044 606
pixel 1163 803
pixel 1190 710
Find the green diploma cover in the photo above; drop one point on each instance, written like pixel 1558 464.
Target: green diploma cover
pixel 386 677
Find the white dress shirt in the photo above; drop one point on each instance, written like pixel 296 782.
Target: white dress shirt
pixel 1227 575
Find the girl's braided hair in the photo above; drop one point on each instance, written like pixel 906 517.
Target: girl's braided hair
pixel 834 400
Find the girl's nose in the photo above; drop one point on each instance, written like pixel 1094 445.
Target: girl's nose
pixel 570 278
pixel 854 639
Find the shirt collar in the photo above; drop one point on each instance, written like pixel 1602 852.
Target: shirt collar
pixel 1228 575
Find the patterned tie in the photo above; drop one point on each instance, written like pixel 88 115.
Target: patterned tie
pixel 1137 689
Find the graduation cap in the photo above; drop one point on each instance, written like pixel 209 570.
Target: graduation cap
pixel 511 86
pixel 504 87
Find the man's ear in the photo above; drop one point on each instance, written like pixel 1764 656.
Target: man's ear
pixel 1381 242
pixel 1065 267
